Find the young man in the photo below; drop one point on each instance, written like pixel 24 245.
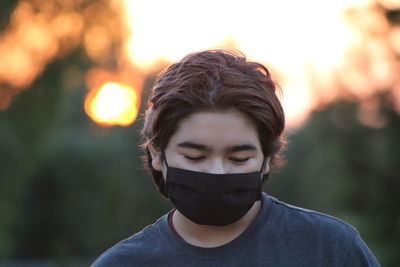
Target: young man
pixel 214 132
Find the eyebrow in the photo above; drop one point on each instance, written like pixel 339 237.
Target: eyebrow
pixel 237 148
pixel 244 147
pixel 187 144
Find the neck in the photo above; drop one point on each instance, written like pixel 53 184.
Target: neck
pixel 212 236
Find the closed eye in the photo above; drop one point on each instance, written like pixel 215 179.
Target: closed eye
pixel 239 159
pixel 194 158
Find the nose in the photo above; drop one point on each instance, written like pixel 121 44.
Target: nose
pixel 217 167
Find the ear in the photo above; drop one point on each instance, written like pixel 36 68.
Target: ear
pixel 267 166
pixel 156 158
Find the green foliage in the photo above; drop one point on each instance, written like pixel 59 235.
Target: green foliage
pixel 69 188
pixel 5 12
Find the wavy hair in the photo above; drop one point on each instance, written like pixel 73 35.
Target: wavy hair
pixel 214 80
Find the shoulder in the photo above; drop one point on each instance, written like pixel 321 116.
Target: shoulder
pixel 322 234
pixel 294 218
pixel 133 250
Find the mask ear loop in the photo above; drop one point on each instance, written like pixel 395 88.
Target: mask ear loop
pixel 164 184
pixel 164 158
pixel 265 176
pixel 262 165
pixel 261 181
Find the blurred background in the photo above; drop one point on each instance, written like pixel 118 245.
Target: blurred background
pixel 75 75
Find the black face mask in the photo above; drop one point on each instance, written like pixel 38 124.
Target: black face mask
pixel 212 199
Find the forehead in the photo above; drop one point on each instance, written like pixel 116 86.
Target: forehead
pixel 216 129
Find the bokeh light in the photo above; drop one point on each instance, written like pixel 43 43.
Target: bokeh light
pixel 38 32
pixel 112 104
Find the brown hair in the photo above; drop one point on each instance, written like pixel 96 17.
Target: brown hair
pixel 214 80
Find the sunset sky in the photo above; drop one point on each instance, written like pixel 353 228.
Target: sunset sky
pixel 290 37
pixel 310 46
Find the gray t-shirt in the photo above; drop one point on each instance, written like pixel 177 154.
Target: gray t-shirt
pixel 281 235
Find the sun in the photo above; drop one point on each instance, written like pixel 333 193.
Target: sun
pixel 112 104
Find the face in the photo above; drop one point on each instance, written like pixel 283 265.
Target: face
pixel 213 142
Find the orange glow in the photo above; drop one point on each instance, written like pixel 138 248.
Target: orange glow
pixel 112 104
pixel 317 49
pixel 16 65
pixel 40 31
pixel 394 39
pixel 67 24
pixel 97 43
pixel 391 4
pixel 369 115
pixel 291 37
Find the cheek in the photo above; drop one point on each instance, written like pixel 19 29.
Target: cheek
pixel 255 165
pixel 172 160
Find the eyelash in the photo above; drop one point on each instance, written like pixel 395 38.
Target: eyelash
pixel 194 158
pixel 237 160
pixel 240 160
